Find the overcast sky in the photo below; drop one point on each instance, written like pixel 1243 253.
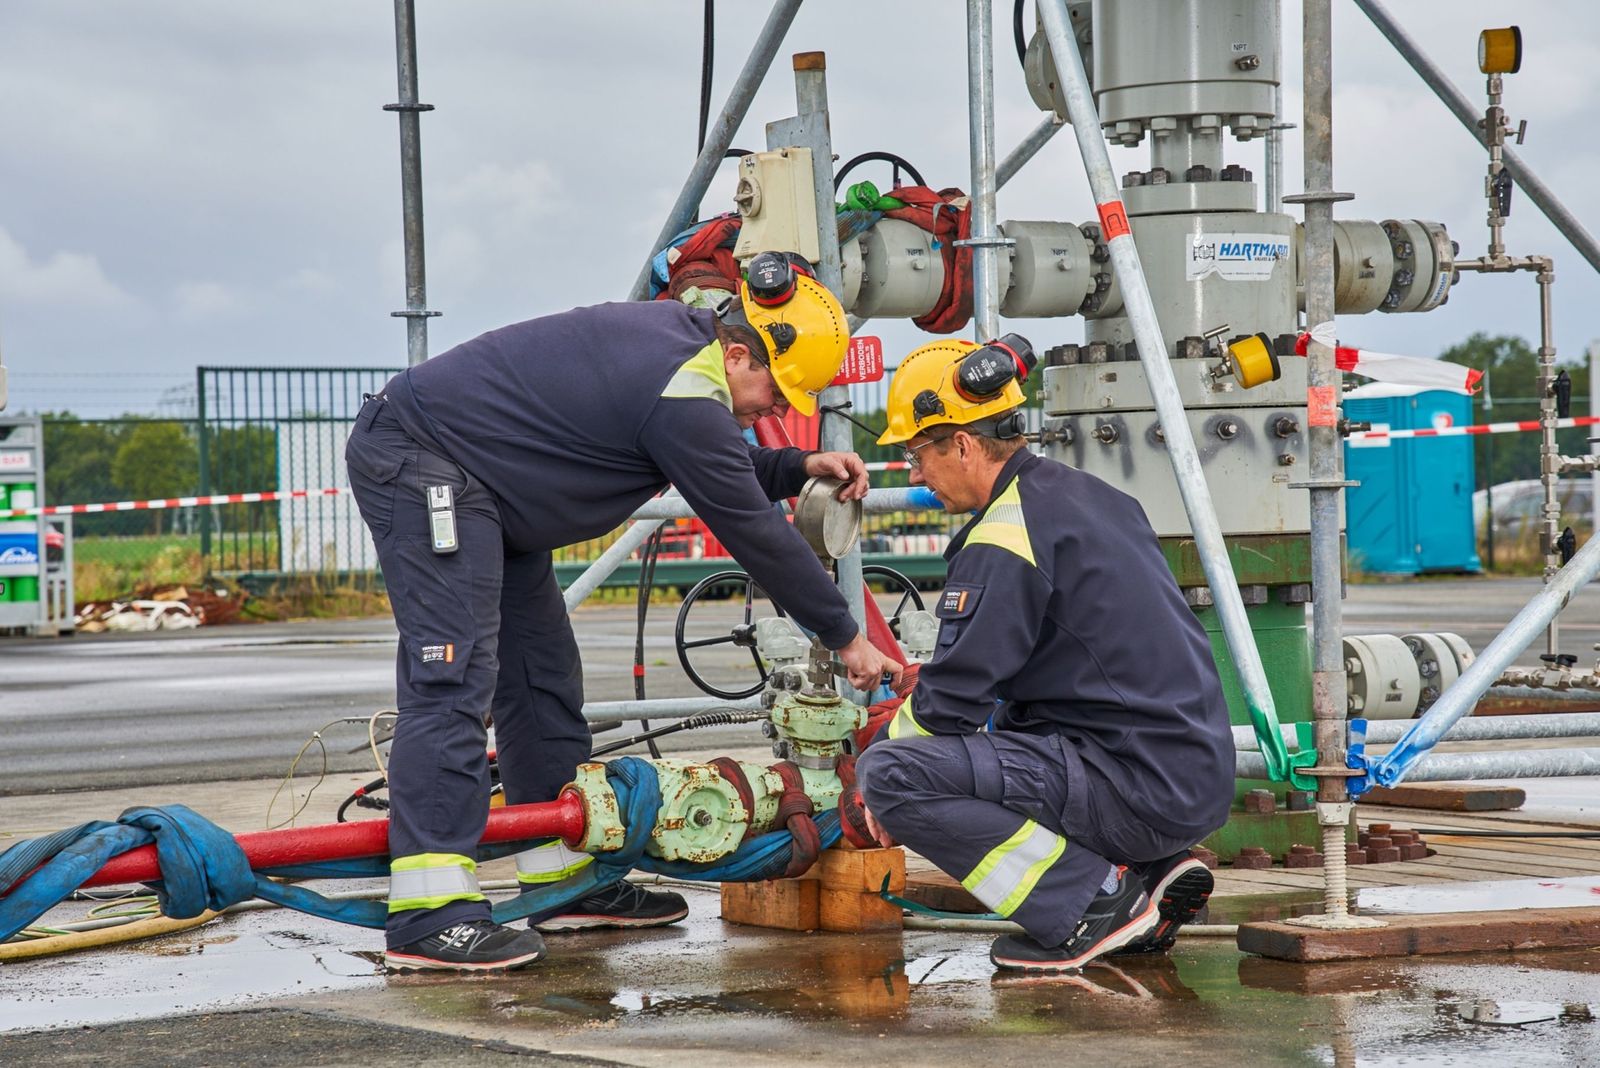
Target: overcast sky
pixel 188 183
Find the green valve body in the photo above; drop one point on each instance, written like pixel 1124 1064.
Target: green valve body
pixel 702 816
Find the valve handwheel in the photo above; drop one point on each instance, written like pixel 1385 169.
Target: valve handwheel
pixel 893 580
pixel 742 634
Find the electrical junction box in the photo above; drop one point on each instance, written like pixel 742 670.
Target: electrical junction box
pixel 777 202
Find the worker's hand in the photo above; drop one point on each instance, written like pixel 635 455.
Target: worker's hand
pixel 865 666
pixel 847 467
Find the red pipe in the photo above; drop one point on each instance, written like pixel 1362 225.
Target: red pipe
pixel 771 434
pixel 561 818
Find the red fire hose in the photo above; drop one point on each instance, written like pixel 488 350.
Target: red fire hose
pixel 562 818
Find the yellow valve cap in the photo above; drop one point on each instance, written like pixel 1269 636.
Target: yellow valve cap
pixel 1253 360
pixel 1500 51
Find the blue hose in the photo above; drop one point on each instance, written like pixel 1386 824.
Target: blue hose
pixel 202 867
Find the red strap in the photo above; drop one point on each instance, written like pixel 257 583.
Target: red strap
pixel 733 773
pixel 794 813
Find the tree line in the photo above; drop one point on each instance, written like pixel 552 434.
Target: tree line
pixel 139 458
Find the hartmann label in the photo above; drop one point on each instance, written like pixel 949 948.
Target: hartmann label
pixel 1236 257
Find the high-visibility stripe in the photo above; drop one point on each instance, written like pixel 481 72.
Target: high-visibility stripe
pixel 429 880
pixel 905 725
pixel 1006 876
pixel 1003 525
pixel 550 863
pixel 703 375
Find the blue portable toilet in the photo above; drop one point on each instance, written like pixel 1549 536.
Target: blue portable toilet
pixel 1413 510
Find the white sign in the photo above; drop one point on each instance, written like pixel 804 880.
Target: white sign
pixel 16 461
pixel 1235 257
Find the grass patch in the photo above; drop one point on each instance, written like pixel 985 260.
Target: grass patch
pixel 104 568
pixel 319 597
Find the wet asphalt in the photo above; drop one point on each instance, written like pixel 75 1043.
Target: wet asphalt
pixel 103 711
pixel 276 988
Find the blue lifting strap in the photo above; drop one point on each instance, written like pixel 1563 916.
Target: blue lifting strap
pixel 202 867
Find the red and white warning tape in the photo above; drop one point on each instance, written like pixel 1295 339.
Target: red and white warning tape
pixel 877 465
pixel 173 502
pixel 1481 428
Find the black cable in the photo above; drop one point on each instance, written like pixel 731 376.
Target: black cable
pixel 706 48
pixel 703 719
pixel 1016 32
pixel 887 157
pixel 840 409
pixel 356 798
pixel 647 582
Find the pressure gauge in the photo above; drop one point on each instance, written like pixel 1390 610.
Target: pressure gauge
pixel 1500 51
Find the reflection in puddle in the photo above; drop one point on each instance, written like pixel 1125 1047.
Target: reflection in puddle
pixel 1482 897
pixel 251 957
pixel 1509 1013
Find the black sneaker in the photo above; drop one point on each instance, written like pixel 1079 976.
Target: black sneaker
pixel 474 946
pixel 1112 920
pixel 621 904
pixel 1180 895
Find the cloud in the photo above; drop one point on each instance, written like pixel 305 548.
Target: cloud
pixel 64 280
pixel 312 281
pixel 522 193
pixel 198 302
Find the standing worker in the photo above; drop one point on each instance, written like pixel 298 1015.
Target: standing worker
pixel 1108 751
pixel 472 467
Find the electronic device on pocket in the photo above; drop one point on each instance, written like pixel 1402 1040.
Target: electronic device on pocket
pixel 442 519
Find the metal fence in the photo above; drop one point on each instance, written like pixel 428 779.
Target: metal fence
pixel 281 428
pixel 275 429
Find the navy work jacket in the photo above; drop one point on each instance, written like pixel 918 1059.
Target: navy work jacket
pixel 574 420
pixel 1060 606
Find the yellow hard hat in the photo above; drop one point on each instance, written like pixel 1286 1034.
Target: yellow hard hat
pixel 801 324
pixel 957 382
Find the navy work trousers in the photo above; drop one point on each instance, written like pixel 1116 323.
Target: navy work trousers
pixel 482 631
pixel 954 799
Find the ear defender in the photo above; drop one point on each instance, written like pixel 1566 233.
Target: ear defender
pixel 988 369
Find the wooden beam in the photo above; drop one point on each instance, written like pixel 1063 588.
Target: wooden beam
pixel 1422 935
pixel 1448 797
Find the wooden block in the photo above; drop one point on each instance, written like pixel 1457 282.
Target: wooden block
pixel 1448 797
pixel 1405 936
pixel 862 869
pixel 855 910
pixel 785 904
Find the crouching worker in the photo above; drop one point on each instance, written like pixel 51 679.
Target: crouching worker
pixel 1108 751
pixel 473 467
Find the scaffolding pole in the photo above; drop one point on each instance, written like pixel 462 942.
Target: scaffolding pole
pixel 1470 117
pixel 410 111
pixel 720 136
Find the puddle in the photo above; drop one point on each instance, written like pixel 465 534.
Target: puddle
pixel 236 961
pixel 1481 897
pixel 920 997
pixel 1510 1013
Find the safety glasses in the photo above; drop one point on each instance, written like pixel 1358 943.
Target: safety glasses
pixel 911 451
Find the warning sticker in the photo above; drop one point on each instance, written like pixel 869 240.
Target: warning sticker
pixel 863 361
pixel 1235 257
